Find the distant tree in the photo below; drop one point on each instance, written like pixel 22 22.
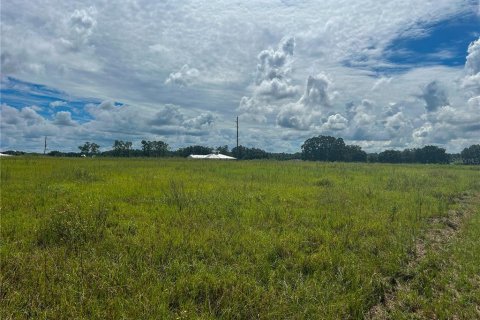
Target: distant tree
pixel 431 154
pixel 122 148
pixel 14 152
pixel 223 150
pixel 372 157
pixel 454 158
pixel 94 148
pixel 238 152
pixel 323 148
pixel 118 147
pixel 285 156
pixel 154 148
pixel 471 155
pixel 85 148
pixel 390 156
pixel 160 148
pixel 353 153
pixel 185 152
pixel 89 148
pixel 146 148
pixel 244 153
pixel 55 153
pixel 408 156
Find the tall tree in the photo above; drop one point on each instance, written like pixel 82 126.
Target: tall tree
pixel 89 148
pixel 94 148
pixel 160 148
pixel 323 148
pixel 154 148
pixel 85 148
pixel 147 148
pixel 122 148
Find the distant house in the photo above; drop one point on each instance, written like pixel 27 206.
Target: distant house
pixel 4 155
pixel 214 156
pixel 196 156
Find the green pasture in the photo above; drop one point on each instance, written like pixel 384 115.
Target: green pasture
pixel 186 239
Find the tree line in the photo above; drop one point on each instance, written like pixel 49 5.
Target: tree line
pixel 326 148
pixel 319 148
pixel 122 148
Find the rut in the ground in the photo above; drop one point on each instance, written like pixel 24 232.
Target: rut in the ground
pixel 441 231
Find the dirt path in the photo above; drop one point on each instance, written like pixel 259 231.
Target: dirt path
pixel 441 231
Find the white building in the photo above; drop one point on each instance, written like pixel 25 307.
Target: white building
pixel 217 156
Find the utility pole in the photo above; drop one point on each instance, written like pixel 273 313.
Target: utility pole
pixel 45 148
pixel 237 133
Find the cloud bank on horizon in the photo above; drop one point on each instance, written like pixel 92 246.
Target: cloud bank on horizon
pixel 381 75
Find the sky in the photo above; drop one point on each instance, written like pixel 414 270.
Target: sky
pixel 379 74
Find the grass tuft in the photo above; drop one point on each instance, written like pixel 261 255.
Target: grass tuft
pixel 70 227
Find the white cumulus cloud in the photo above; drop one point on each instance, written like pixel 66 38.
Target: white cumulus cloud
pixel 335 122
pixel 306 112
pixel 64 118
pixel 184 77
pixel 55 104
pixel 472 69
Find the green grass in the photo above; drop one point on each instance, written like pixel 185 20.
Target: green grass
pixel 150 238
pixel 446 283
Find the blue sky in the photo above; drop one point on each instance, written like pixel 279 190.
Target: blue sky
pixel 379 74
pixel 20 94
pixel 442 43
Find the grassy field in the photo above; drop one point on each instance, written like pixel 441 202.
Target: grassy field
pixel 178 239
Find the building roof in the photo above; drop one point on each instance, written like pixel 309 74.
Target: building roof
pixel 211 156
